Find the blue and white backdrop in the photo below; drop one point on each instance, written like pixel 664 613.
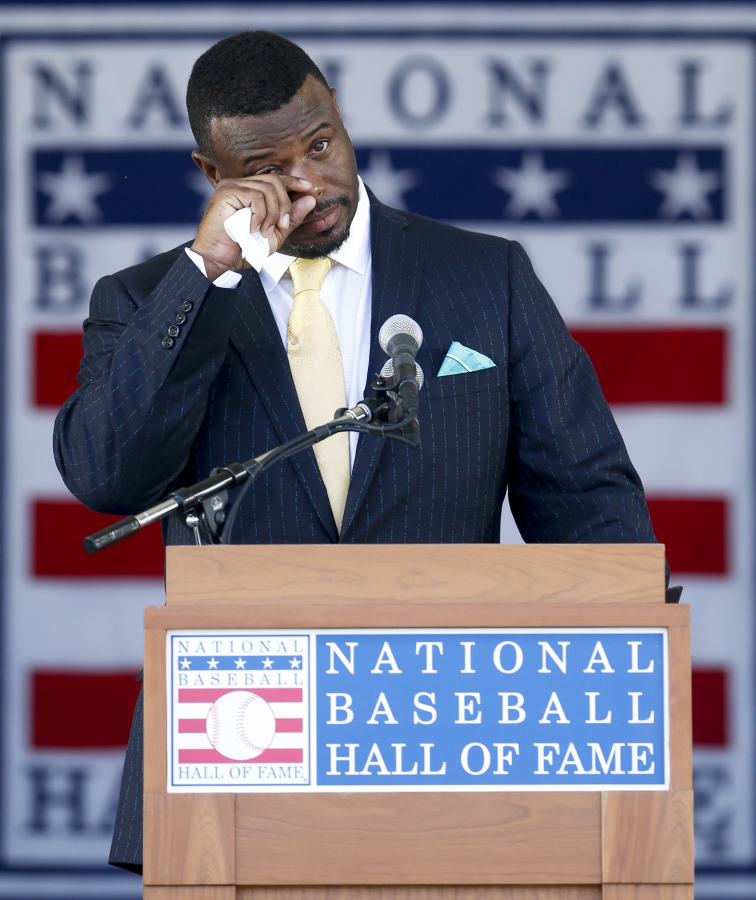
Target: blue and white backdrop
pixel 617 147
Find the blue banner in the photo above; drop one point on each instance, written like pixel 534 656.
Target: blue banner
pixel 538 709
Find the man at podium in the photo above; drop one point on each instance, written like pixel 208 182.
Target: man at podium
pixel 238 340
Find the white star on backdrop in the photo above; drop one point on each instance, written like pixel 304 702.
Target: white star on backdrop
pixel 186 664
pixel 388 184
pixel 212 663
pixel 73 191
pixel 240 663
pixel 197 182
pixel 685 188
pixel 294 663
pixel 267 663
pixel 531 187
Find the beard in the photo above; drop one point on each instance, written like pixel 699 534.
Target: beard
pixel 328 241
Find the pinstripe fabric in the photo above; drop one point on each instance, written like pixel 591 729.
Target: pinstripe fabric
pixel 126 847
pixel 146 418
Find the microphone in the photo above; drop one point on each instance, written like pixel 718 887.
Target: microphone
pixel 387 372
pixel 401 337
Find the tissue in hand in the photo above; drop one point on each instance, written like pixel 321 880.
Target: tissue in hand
pixel 254 247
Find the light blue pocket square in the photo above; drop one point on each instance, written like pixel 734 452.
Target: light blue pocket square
pixel 461 359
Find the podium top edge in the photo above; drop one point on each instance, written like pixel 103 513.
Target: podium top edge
pixel 415 573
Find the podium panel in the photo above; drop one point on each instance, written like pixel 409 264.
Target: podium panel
pixel 310 840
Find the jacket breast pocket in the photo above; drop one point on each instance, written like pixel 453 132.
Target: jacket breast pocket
pixel 464 383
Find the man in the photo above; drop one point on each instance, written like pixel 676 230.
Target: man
pixel 193 359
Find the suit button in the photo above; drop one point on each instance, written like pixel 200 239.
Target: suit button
pixel 180 318
pixel 174 331
pixel 168 342
pixel 187 306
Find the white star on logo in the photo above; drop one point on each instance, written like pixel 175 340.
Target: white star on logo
pixel 186 663
pixel 294 663
pixel 240 663
pixel 267 663
pixel 685 188
pixel 72 191
pixel 388 184
pixel 531 187
pixel 212 663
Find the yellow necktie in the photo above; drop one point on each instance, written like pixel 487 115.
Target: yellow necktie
pixel 318 372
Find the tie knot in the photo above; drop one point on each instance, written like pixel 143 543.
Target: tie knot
pixel 308 274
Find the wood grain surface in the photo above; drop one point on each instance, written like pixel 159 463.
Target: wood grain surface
pixel 648 892
pixel 426 892
pixel 553 573
pixel 155 713
pixel 197 892
pixel 444 846
pixel 374 614
pixel 647 837
pixel 680 709
pixel 445 838
pixel 188 839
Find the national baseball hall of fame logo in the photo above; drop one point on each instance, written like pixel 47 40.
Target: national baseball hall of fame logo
pixel 418 710
pixel 239 709
pixel 624 164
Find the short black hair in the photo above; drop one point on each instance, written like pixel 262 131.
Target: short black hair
pixel 246 74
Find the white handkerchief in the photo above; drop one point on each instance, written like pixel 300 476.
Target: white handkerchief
pixel 254 247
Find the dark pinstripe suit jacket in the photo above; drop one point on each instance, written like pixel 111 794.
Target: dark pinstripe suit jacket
pixel 147 418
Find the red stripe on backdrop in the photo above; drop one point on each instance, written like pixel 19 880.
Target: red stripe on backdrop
pixel 210 695
pixel 58 528
pixel 55 361
pixel 267 756
pixel 659 365
pixel 82 710
pixel 695 532
pixel 710 725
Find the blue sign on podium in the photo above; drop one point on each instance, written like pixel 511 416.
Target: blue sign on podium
pixel 491 709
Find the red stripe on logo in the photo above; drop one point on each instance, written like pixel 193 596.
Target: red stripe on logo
pixel 82 710
pixel 56 356
pixel 710 708
pixel 293 726
pixel 192 726
pixel 659 365
pixel 199 726
pixel 267 756
pixel 210 695
pixel 695 532
pixel 59 527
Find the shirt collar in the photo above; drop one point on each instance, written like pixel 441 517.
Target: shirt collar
pixel 354 253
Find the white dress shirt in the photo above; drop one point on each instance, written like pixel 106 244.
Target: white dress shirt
pixel 346 292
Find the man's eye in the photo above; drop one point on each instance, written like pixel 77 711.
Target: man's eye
pixel 320 146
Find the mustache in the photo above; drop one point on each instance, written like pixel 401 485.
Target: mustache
pixel 322 206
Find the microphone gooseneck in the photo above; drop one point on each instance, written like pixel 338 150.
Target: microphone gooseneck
pixel 205 503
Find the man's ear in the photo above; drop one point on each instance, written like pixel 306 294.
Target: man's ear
pixel 336 105
pixel 208 167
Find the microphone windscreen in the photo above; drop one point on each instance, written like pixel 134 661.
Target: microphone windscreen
pixel 388 370
pixel 399 325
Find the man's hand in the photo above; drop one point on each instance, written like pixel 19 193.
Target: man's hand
pixel 273 212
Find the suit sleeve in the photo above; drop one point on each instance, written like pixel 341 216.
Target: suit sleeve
pixel 570 478
pixel 126 434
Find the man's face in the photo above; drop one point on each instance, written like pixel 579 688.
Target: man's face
pixel 306 138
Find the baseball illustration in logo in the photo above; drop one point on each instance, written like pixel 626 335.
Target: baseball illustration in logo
pixel 240 725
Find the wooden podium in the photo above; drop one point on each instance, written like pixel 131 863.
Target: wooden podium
pixel 560 845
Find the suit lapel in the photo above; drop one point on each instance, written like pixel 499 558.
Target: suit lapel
pixel 397 263
pixel 256 338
